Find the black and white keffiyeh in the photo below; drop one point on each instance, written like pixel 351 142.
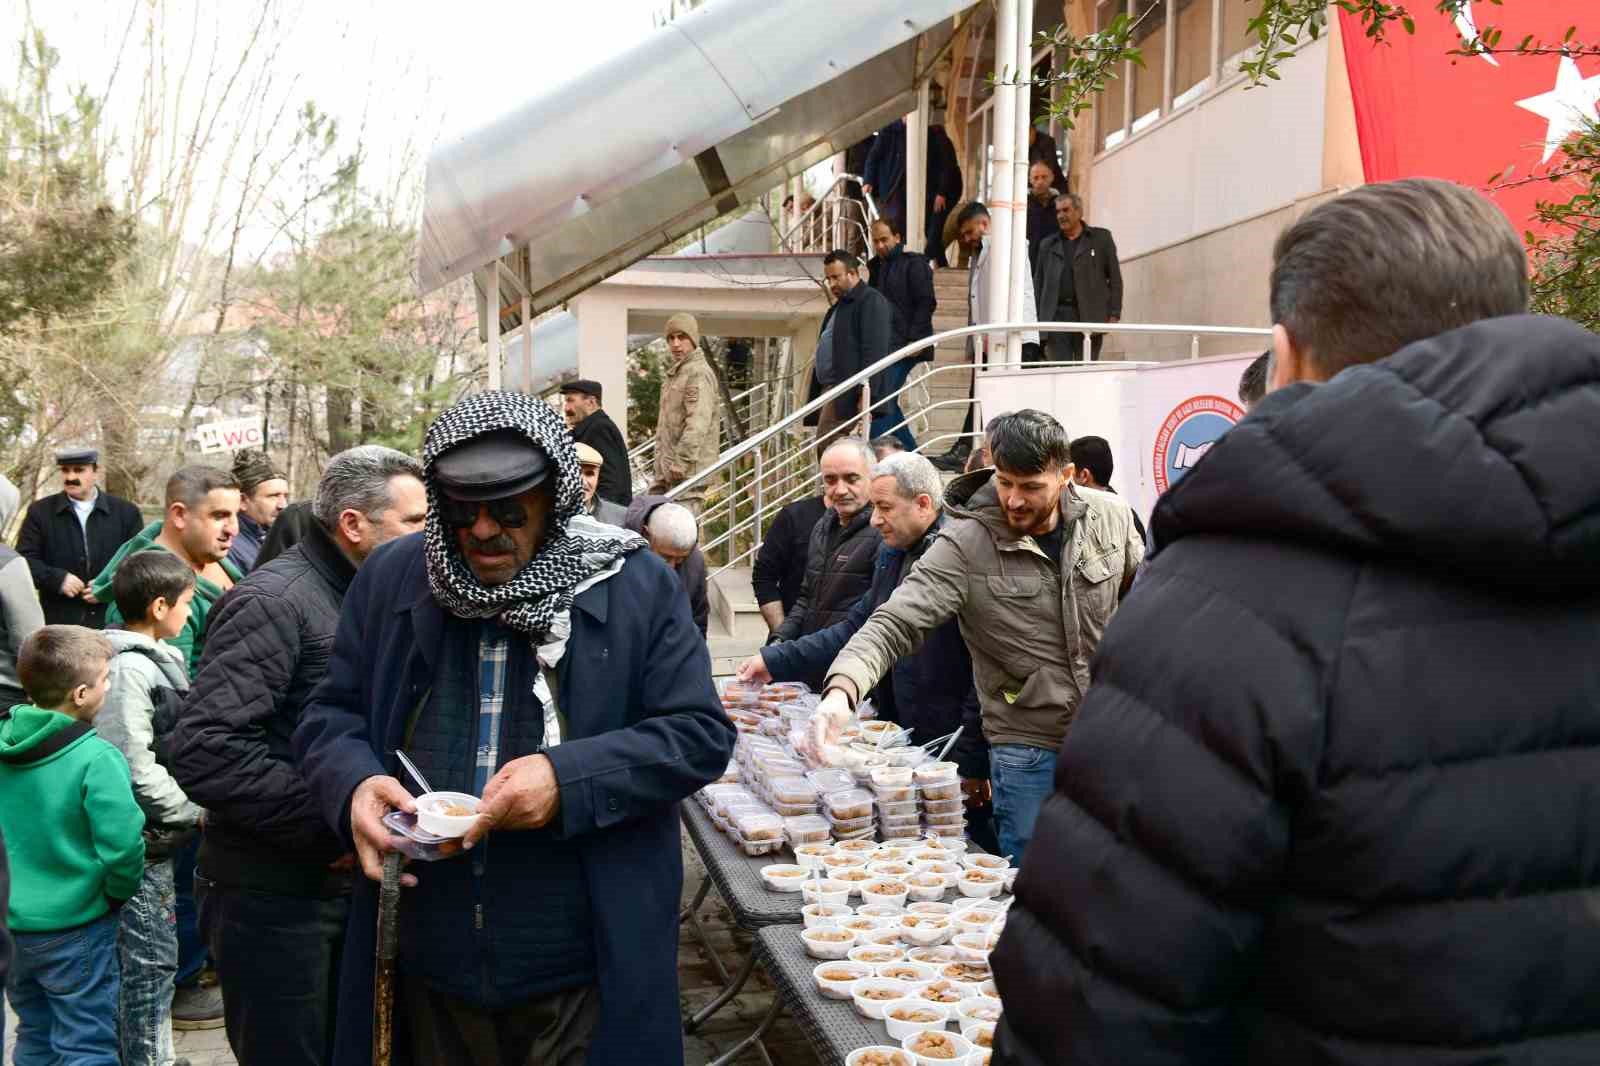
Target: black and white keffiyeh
pixel 576 550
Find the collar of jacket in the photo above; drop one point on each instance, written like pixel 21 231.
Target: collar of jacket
pixel 428 619
pixel 64 502
pixel 696 356
pixel 326 559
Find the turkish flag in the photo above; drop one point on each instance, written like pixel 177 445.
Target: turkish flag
pixel 1482 121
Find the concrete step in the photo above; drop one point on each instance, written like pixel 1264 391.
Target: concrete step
pixel 736 629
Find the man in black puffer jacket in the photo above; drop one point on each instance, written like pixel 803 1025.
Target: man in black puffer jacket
pixel 274 880
pixel 1333 795
pixel 844 546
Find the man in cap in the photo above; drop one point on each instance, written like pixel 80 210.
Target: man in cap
pixel 689 422
pixel 591 465
pixel 589 424
pixel 263 494
pixel 523 653
pixel 69 537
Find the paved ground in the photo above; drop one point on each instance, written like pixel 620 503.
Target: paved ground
pixel 697 984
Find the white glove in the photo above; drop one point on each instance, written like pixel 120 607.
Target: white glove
pixel 828 722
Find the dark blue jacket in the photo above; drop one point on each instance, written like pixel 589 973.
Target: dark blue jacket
pixel 930 692
pixel 644 730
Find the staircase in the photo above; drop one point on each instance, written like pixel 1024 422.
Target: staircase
pixel 950 289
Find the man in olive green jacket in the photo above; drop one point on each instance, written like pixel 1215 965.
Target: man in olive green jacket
pixel 1033 567
pixel 689 419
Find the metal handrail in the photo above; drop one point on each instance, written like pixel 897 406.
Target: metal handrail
pixel 838 181
pixel 860 377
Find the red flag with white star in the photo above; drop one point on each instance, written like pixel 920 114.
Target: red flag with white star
pixel 1479 120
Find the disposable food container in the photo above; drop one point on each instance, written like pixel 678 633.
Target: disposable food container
pixel 973 947
pixel 899 832
pixel 879 1055
pixel 938 910
pixel 946 993
pixel 949 806
pixel 824 943
pixel 833 893
pixel 835 979
pixel 847 804
pixel 446 814
pixel 872 994
pixel 823 913
pixel 935 956
pixel 907 1017
pixel 985 861
pixel 978 1008
pixel 784 877
pixel 826 781
pixel 938 1048
pixel 981 1034
pixel 876 955
pixel 811 855
pixel 925 930
pixel 793 790
pixel 862 848
pixel 980 884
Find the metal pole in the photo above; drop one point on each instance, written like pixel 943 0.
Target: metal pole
pixel 1020 275
pixel 383 974
pixel 916 220
pixel 997 298
pixel 489 281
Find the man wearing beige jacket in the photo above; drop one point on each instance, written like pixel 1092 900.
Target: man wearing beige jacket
pixel 1033 567
pixel 689 422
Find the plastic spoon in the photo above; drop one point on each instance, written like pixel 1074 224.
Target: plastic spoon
pixel 411 768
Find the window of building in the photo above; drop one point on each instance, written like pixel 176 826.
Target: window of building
pixel 1112 111
pixel 1149 78
pixel 1236 37
pixel 1191 54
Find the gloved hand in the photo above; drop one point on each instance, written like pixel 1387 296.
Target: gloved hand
pixel 828 722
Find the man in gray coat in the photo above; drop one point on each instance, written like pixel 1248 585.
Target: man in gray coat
pixel 1077 279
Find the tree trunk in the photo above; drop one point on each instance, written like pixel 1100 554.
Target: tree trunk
pixel 341 412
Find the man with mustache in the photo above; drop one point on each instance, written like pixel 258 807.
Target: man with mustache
pixel 521 652
pixel 69 537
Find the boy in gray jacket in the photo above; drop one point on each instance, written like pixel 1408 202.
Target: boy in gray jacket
pixel 153 590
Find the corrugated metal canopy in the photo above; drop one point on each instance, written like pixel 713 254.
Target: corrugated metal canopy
pixel 708 113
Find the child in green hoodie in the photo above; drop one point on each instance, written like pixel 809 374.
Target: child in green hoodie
pixel 74 835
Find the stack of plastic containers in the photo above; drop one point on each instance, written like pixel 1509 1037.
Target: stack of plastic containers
pixel 849 812
pixel 943 812
pixel 895 795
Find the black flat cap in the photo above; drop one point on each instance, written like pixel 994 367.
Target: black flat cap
pixel 78 456
pixel 585 386
pixel 491 467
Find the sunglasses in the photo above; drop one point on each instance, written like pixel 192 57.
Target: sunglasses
pixel 458 514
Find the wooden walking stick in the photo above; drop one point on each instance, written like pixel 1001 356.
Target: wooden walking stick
pixel 383 979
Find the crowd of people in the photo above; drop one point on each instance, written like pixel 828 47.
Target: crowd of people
pixel 1305 771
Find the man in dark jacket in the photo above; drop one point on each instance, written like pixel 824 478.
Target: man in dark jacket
pixel 855 334
pixel 930 691
pixel 521 652
pixel 1077 279
pixel 673 534
pixel 906 281
pixel 944 190
pixel 69 537
pixel 780 566
pixel 842 547
pixel 274 881
pixel 1093 464
pixel 263 495
pixel 1332 796
pixel 884 174
pixel 589 424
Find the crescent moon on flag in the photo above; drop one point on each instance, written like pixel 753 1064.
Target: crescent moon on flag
pixel 1468 28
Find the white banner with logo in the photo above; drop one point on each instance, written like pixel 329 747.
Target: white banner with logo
pixel 229 435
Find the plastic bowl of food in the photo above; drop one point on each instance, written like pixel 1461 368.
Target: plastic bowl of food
pixel 880 910
pixel 981 884
pixel 885 890
pixel 858 848
pixel 912 973
pixel 989 989
pixel 950 871
pixel 879 1055
pixel 973 947
pixel 854 879
pixel 862 923
pixel 446 814
pixel 836 979
pixel 980 1034
pixel 937 1047
pixel 907 1016
pixel 934 907
pixel 924 930
pixel 889 934
pixel 974 920
pixel 811 855
pixel 875 955
pixel 885 868
pixel 843 860
pixel 824 943
pixel 978 1008
pixel 872 995
pixel 985 861
pixel 823 914
pixel 925 887
pixel 979 1057
pixel 935 956
pixel 833 893
pixel 953 846
pixel 942 991
pixel 967 973
pixel 784 877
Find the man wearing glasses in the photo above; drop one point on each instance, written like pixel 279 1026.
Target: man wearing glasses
pixel 523 653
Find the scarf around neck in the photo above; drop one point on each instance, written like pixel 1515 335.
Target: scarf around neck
pixel 576 551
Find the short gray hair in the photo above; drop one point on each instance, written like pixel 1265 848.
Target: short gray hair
pixel 862 448
pixel 673 524
pixel 914 475
pixel 1071 197
pixel 357 479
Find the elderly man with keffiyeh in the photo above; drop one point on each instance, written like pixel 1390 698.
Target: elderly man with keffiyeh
pixel 519 651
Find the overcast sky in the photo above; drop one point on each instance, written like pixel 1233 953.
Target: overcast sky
pixel 412 71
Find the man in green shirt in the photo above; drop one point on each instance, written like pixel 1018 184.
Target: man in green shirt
pixel 200 522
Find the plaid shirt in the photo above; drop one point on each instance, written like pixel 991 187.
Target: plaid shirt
pixel 494 647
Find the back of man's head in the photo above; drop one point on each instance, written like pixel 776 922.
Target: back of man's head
pixel 672 531
pixel 1253 382
pixel 1386 265
pixel 1094 455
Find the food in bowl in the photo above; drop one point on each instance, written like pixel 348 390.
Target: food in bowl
pixel 878 1056
pixel 861 923
pixel 986 862
pixel 914 1014
pixel 875 954
pixel 824 943
pixel 828 891
pixel 978 1008
pixel 936 1046
pixel 967 972
pixel 981 1036
pixel 446 814
pixel 930 907
pixel 836 979
pixel 936 955
pixel 784 877
pixel 941 991
pixel 910 972
pixel 823 913
pixel 872 995
pixel 856 847
pixel 973 947
pixel 980 884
